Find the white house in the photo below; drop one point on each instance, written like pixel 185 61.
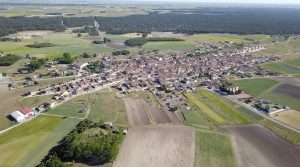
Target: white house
pixel 18 116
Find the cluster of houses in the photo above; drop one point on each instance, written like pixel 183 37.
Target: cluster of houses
pixel 181 72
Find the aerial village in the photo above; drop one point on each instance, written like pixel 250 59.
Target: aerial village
pixel 166 77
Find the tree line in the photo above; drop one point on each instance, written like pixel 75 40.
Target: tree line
pixel 141 41
pixel 236 21
pixel 272 21
pixel 9 59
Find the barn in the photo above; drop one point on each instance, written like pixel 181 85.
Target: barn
pixel 18 116
pixel 24 113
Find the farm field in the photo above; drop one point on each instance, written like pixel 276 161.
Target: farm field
pixel 64 41
pixel 282 68
pixel 36 136
pixel 289 80
pixel 72 108
pixel 168 146
pixel 30 102
pixel 254 145
pixel 213 149
pixel 255 87
pixel 213 38
pixel 217 108
pixel 170 46
pixel 290 117
pixel 284 94
pixel 196 119
pixel 106 106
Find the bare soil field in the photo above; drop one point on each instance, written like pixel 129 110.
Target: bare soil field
pixel 132 35
pixel 9 98
pixel 290 117
pixel 29 34
pixel 117 45
pixel 289 80
pixel 136 112
pixel 159 116
pixel 256 146
pixel 161 146
pixel 141 113
pixel 166 34
pixel 291 90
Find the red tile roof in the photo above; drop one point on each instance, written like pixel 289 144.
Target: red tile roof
pixel 25 110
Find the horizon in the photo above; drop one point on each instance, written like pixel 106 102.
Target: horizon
pixel 252 2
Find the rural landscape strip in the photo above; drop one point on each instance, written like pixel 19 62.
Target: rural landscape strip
pixel 149 84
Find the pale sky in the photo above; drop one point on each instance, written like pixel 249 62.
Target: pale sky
pixel 235 1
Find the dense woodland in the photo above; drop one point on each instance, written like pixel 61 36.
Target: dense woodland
pixel 11 25
pixel 230 20
pixel 86 144
pixel 9 59
pixel 120 52
pixel 78 21
pixel 203 20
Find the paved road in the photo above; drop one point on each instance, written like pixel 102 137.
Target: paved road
pixel 263 114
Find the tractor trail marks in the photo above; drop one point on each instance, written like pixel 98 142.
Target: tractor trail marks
pixel 141 113
pixel 164 145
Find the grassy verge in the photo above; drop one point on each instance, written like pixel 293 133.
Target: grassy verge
pixel 213 149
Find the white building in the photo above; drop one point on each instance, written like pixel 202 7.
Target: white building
pixel 18 116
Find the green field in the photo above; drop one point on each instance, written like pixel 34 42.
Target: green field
pixel 64 41
pixel 212 38
pixel 293 62
pixel 205 108
pixel 34 101
pixel 217 108
pixel 194 118
pixel 213 149
pixel 255 87
pixel 106 106
pixel 282 99
pixel 290 68
pixel 72 108
pixel 170 46
pixel 26 145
